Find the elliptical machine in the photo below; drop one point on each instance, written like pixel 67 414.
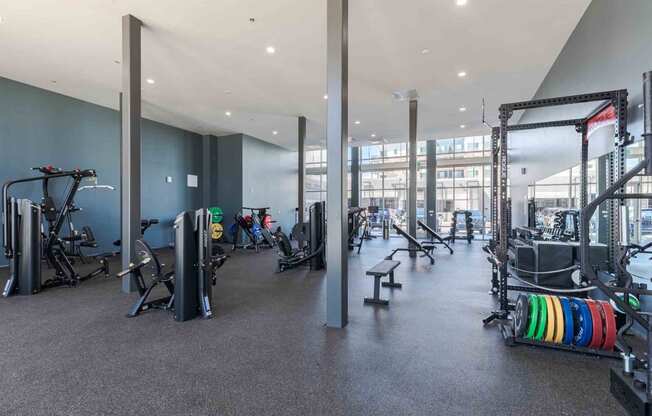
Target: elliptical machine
pixel 23 240
pixel 189 285
pixel 311 248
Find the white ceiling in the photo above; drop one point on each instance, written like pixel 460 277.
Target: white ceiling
pixel 207 57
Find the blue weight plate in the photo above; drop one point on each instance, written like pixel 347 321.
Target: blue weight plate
pixel 569 325
pixel 582 322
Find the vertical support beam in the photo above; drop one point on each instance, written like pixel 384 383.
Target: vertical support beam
pixel 337 59
pixel 301 148
pixel 205 171
pixel 504 213
pixel 647 120
pixel 355 176
pixel 130 145
pixel 431 184
pixel 603 210
pixel 412 175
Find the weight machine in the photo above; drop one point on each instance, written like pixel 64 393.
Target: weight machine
pixel 357 226
pixel 189 285
pixel 23 240
pixel 312 245
pixel 254 227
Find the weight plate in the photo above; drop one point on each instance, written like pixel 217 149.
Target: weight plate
pixel 550 326
pixel 233 229
pixel 267 221
pixel 520 315
pixel 610 329
pixel 582 322
pixel 217 215
pixel 633 302
pixel 596 338
pixel 216 231
pixel 559 320
pixel 569 329
pixel 533 316
pixel 543 318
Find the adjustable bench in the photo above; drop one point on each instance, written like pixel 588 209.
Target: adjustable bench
pixel 380 270
pixel 434 237
pixel 424 248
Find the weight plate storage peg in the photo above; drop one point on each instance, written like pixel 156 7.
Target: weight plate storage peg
pixel 610 329
pixel 583 324
pixel 596 318
pixel 559 320
pixel 543 318
pixel 533 316
pixel 569 325
pixel 550 325
pixel 521 313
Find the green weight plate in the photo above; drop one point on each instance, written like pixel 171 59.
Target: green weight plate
pixel 543 319
pixel 217 215
pixel 533 316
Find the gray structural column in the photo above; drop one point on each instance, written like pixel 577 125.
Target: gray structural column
pixel 301 143
pixel 431 184
pixel 337 56
pixel 206 171
pixel 130 145
pixel 412 176
pixel 355 176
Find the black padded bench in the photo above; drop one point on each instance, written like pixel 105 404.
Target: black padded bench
pixel 434 237
pixel 380 270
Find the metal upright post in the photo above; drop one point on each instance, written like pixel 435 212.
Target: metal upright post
pixel 412 175
pixel 130 145
pixel 301 148
pixel 337 141
pixel 503 209
pixel 431 184
pixel 647 137
pixel 355 176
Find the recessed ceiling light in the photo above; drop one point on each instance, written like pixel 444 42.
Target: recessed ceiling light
pixel 373 134
pixel 357 122
pixel 425 51
pixel 53 81
pixel 116 62
pixel 325 96
pixel 270 50
pixel 640 105
pixel 227 113
pixel 274 132
pixel 461 2
pixel 227 92
pixel 375 142
pixel 462 126
pixel 461 74
pixel 150 81
pixel 462 109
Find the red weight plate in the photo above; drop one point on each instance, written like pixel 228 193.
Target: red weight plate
pixel 596 317
pixel 610 329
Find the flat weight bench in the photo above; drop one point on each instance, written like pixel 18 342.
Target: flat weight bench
pixel 382 269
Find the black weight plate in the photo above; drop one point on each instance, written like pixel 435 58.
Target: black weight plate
pixel 520 315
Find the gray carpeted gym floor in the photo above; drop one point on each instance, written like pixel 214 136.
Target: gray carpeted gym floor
pixel 267 352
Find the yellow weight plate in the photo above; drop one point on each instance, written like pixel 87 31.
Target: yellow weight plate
pixel 550 326
pixel 559 320
pixel 216 231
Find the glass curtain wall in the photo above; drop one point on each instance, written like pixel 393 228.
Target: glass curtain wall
pixel 463 181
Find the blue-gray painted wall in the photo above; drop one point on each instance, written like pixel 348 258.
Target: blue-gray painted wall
pixel 270 179
pixel 39 127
